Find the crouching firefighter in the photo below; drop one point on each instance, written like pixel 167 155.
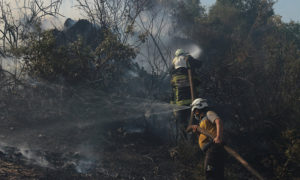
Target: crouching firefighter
pixel 183 66
pixel 213 149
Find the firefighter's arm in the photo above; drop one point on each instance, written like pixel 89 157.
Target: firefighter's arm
pixel 219 126
pixel 194 128
pixel 171 69
pixel 194 62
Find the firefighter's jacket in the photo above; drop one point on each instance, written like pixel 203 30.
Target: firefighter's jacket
pixel 208 123
pixel 181 92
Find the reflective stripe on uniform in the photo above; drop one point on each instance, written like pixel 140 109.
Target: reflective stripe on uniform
pixel 181 90
pixel 184 102
pixel 180 81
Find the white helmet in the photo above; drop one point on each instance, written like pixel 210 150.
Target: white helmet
pixel 199 103
pixel 180 52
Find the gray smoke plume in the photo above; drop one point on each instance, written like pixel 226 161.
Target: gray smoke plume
pixel 164 38
pixel 11 64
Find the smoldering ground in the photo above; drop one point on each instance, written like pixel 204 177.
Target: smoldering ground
pixel 50 119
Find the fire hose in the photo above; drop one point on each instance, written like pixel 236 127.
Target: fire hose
pixel 229 151
pixel 190 75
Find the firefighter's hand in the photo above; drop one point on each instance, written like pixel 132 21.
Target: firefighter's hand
pixel 194 127
pixel 217 140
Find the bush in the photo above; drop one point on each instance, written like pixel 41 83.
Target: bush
pixel 47 60
pixel 76 61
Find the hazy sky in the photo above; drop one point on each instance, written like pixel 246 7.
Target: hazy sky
pixel 288 9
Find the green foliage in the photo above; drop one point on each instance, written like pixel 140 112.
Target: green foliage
pixel 187 12
pixel 45 59
pixel 285 163
pixel 113 59
pixel 76 62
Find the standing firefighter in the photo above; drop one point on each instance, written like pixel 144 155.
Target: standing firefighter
pixel 180 78
pixel 214 151
pixel 183 65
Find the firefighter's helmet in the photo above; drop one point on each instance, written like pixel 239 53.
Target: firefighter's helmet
pixel 180 52
pixel 199 103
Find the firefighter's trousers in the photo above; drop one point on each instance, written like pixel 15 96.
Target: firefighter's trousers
pixel 214 162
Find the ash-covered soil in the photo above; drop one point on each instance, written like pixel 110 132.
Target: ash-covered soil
pixel 87 135
pixel 96 137
pixel 122 152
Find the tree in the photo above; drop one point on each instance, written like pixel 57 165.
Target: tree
pixel 116 15
pixel 47 60
pixel 14 29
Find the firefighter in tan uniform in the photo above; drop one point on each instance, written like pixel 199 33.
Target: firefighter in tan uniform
pixel 214 151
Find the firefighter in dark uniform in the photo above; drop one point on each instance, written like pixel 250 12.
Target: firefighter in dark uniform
pixel 181 91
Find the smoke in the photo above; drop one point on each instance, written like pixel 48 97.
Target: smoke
pixel 163 37
pixel 26 154
pixel 195 51
pixel 11 64
pixel 52 22
pixel 34 158
pixel 87 158
pixel 76 126
pixel 84 166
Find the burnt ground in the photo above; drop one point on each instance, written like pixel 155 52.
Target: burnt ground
pixel 124 154
pixel 88 138
pixel 86 143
